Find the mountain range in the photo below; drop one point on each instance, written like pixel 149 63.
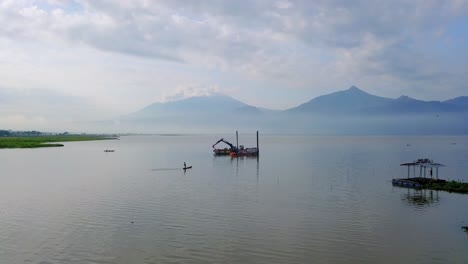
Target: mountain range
pixel 352 111
pixel 357 101
pixel 221 104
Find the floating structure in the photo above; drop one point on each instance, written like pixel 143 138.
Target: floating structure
pixel 421 180
pixel 109 150
pixel 236 151
pixel 223 151
pixel 423 165
pixel 242 151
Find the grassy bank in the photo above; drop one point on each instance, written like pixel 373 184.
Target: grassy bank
pixel 45 141
pixel 449 186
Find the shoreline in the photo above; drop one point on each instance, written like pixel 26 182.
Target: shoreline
pixel 46 141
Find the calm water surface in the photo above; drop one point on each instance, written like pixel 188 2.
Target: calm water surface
pixel 307 199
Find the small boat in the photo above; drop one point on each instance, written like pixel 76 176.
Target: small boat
pixel 109 150
pixel 186 168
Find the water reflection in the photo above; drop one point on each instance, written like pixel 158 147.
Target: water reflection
pixel 234 161
pixel 421 198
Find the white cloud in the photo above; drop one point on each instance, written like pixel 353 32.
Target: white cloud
pixel 190 90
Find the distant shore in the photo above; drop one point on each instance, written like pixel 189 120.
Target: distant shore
pixel 46 141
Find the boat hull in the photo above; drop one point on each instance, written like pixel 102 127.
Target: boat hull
pixel 222 152
pixel 252 152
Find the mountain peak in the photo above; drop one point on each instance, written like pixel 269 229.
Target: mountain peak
pixel 354 88
pixel 405 98
pixel 350 100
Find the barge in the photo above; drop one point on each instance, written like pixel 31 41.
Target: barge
pixel 235 151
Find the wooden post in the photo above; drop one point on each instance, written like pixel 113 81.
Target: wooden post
pixel 237 141
pixel 258 150
pixel 408 171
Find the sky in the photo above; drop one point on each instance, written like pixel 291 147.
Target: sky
pixel 77 61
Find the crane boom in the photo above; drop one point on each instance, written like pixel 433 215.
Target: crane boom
pixel 226 142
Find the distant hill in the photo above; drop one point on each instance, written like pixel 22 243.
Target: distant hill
pixel 408 105
pixel 461 102
pixel 201 113
pixel 355 101
pixel 199 105
pixel 349 101
pixel 350 112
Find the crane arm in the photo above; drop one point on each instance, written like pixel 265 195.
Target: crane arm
pixel 225 141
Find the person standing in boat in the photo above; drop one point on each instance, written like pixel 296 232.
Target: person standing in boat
pixel 185 166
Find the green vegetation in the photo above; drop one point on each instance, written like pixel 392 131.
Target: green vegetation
pixel 45 141
pixel 449 186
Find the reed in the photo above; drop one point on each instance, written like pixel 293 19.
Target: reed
pixel 449 186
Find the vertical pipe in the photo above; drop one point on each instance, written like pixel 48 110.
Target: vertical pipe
pixel 408 171
pixel 258 150
pixel 437 172
pixel 237 141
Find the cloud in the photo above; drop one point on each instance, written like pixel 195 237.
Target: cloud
pixel 190 90
pixel 226 31
pixel 297 48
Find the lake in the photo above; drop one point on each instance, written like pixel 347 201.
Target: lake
pixel 306 199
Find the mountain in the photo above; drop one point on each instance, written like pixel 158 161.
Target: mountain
pixel 461 102
pixel 349 112
pixel 355 112
pixel 344 102
pixel 203 114
pixel 199 105
pixel 408 105
pixel 357 102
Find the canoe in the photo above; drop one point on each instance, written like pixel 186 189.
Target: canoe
pixel 189 167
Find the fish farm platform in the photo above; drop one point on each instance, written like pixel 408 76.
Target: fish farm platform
pixel 417 182
pixel 432 184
